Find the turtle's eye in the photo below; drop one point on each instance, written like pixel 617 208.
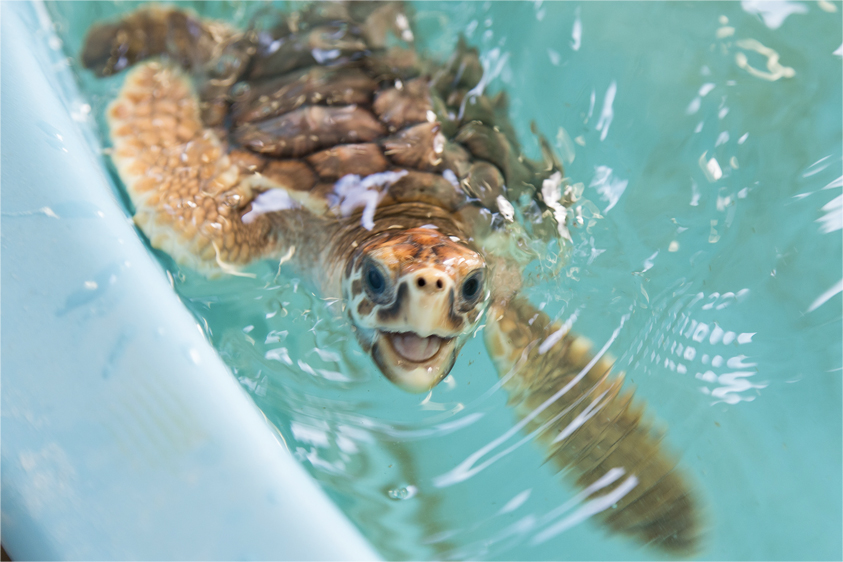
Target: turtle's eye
pixel 471 287
pixel 376 283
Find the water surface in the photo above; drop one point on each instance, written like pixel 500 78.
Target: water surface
pixel 708 138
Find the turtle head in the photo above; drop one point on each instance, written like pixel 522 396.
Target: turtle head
pixel 414 296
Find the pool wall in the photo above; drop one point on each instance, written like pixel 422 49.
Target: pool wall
pixel 124 436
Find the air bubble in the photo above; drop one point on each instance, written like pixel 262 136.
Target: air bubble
pixel 403 493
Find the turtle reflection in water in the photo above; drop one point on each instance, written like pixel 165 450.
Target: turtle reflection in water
pixel 394 183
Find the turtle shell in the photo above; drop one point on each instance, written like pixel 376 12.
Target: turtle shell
pixel 324 95
pixel 338 91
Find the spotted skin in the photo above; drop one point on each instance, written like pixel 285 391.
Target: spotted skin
pixel 379 161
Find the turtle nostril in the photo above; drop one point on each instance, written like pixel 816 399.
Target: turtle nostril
pixel 428 281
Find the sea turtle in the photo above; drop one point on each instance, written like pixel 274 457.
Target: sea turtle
pixel 398 185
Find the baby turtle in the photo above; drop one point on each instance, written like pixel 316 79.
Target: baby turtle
pixel 398 185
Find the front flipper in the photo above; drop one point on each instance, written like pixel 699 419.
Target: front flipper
pixel 191 198
pixel 592 431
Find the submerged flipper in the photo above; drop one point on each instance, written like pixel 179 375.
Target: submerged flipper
pixel 592 431
pixel 145 33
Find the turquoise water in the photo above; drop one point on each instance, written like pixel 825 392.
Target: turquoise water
pixel 720 186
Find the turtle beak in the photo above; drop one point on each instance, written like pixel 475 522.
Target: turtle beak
pixel 417 339
pixel 414 363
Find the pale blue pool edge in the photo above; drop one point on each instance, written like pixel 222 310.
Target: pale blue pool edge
pixel 123 434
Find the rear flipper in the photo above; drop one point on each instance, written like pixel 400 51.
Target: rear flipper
pixel 216 54
pixel 592 431
pixel 149 32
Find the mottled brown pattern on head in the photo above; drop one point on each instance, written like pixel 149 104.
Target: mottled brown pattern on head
pixel 413 249
pixel 356 288
pixel 405 252
pixel 392 312
pixel 422 251
pixel 457 322
pixel 365 307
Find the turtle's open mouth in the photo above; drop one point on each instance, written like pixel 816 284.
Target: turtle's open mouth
pixel 413 362
pixel 414 348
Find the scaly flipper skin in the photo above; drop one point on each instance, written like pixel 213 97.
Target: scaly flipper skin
pixel 592 431
pixel 189 196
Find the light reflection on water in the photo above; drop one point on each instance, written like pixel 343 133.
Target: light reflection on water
pixel 706 139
